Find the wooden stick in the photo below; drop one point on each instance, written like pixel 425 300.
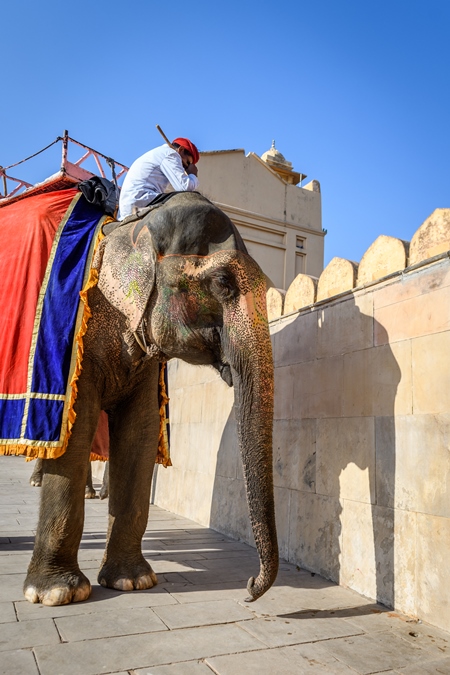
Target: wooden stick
pixel 165 137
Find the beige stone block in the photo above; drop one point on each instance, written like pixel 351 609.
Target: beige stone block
pixel 301 293
pixel 294 339
pixel 416 282
pixel 385 453
pixel 182 374
pixel 432 565
pixel 284 393
pixel 413 463
pixel 263 662
pixel 166 487
pixel 315 533
pixel 195 446
pixel 385 256
pixel 228 509
pixel 420 315
pixel 181 668
pixel 345 326
pixel 378 381
pixel 431 373
pixel 378 554
pixel 294 454
pixel 338 276
pixel 109 655
pixel 277 632
pixel 109 624
pixel 317 387
pixel 217 401
pixel 345 458
pixel 385 653
pixel 275 302
pixel 282 506
pixel 227 458
pixel 202 614
pixel 186 403
pixel 432 237
pixel 195 496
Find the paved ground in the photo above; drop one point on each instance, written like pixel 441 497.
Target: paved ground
pixel 195 621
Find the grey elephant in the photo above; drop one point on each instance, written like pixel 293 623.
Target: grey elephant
pixel 178 283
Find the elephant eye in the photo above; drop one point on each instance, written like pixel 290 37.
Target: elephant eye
pixel 223 284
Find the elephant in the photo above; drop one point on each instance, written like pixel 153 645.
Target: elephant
pixel 89 492
pixel 176 283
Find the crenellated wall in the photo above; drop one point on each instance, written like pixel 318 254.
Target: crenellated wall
pixel 361 426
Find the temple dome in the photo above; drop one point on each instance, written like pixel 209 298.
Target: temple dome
pixel 278 163
pixel 274 156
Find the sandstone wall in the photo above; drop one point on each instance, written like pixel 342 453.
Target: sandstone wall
pixel 361 430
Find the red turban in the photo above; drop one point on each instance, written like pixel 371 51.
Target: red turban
pixel 190 147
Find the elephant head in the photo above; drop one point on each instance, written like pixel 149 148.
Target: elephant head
pixel 183 276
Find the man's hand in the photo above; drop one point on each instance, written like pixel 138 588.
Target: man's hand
pixel 192 169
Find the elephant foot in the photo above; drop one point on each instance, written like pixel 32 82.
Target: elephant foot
pixel 138 577
pixel 89 493
pixel 104 493
pixel 36 482
pixel 73 587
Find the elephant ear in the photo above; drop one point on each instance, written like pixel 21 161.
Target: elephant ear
pixel 127 271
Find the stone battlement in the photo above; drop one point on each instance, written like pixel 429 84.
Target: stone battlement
pixel 386 257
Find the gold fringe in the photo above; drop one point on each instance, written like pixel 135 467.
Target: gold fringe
pixel 163 455
pixel 97 458
pixel 32 451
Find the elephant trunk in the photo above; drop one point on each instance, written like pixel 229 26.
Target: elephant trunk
pixel 248 350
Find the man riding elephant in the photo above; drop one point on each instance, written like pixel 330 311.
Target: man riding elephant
pixel 150 174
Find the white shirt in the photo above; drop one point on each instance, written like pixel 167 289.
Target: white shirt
pixel 150 175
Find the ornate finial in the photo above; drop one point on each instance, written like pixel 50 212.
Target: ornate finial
pixel 273 145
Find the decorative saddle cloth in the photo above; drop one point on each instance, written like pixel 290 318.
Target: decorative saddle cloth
pixel 47 244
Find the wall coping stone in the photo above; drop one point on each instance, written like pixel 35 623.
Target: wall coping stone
pixel 352 291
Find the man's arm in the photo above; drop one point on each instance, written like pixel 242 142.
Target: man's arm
pixel 172 168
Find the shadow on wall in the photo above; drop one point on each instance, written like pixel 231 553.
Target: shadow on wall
pixel 336 381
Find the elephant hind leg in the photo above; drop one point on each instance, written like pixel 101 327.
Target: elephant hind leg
pixel 104 490
pixel 36 476
pixel 89 492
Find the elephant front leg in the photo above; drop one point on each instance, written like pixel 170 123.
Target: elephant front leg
pixel 54 577
pixel 134 433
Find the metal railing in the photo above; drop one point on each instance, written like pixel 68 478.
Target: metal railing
pixel 73 171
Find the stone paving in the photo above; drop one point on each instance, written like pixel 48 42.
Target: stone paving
pixel 195 621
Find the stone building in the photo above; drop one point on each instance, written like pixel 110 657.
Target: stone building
pixel 280 221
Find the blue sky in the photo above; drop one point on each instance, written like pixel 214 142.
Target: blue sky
pixel 355 93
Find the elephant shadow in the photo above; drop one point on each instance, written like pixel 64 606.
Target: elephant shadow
pixel 336 384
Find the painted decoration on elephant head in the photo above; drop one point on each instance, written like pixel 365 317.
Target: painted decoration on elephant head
pixel 127 272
